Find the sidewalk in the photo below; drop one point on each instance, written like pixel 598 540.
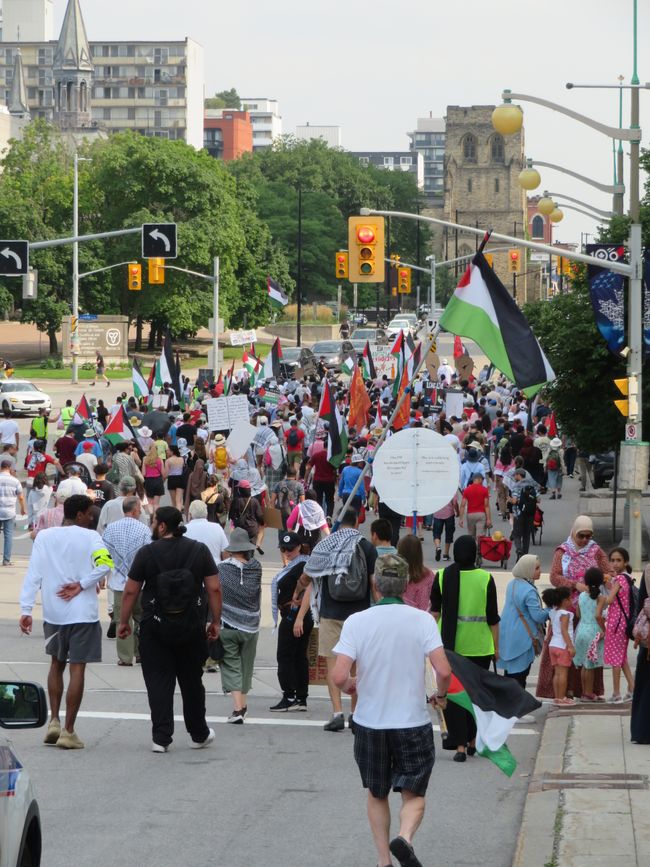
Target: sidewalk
pixel 588 802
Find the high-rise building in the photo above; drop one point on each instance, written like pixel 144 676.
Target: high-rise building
pixel 154 88
pixel 394 161
pixel 227 133
pixel 266 120
pixel 428 139
pixel 27 21
pixel 331 135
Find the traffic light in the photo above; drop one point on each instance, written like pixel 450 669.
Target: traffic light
pixel 135 278
pixel 514 261
pixel 366 249
pixel 342 265
pixel 404 280
pixel 156 271
pixel 629 388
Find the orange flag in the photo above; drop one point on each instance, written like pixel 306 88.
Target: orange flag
pixel 359 401
pixel 404 414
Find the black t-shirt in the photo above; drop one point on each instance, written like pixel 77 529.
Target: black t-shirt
pixel 187 432
pixel 287 584
pixel 102 491
pixel 165 555
pixel 332 609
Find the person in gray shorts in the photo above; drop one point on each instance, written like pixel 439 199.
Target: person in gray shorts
pixel 67 565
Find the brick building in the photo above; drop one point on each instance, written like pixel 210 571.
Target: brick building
pixel 227 133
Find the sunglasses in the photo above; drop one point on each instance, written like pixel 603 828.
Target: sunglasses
pixel 284 549
pixel 584 535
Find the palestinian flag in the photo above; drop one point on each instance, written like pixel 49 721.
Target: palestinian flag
pixel 151 381
pixel 251 365
pixel 140 385
pixel 413 361
pixel 227 383
pixel 82 412
pixel 118 428
pixel 348 365
pixel 277 296
pixel 178 382
pixel 337 438
pixel 495 702
pixel 165 367
pixel 369 371
pixel 271 367
pixel 482 310
pixel 404 414
pixel 398 345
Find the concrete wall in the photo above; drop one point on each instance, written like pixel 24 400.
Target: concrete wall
pixel 310 333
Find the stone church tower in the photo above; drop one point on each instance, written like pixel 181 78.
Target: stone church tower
pixel 481 185
pixel 73 72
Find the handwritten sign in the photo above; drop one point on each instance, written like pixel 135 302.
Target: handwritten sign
pixel 225 412
pixel 238 338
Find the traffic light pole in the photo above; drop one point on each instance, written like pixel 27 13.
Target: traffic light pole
pixel 214 278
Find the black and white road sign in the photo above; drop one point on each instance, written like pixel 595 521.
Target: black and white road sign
pixel 159 241
pixel 14 258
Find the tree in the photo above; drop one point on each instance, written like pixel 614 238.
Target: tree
pixel 224 99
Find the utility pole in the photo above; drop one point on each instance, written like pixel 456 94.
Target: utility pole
pixel 215 316
pixel 299 280
pixel 74 325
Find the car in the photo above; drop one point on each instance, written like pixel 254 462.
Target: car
pixel 294 357
pixel 602 468
pixel 333 352
pixel 411 318
pixel 397 324
pixel 22 705
pixel 358 318
pixel 23 397
pixel 376 336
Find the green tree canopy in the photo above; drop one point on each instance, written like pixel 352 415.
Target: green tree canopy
pixel 224 99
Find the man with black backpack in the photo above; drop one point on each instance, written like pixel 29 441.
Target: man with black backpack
pixel 172 573
pixel 523 498
pixel 339 571
pixel 295 438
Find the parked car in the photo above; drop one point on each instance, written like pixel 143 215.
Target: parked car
pixel 294 357
pixel 22 706
pixel 357 318
pixel 333 352
pixel 372 335
pixel 602 467
pixel 22 396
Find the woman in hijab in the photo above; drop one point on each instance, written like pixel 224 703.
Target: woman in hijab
pixel 570 562
pixel 464 602
pixel 523 621
pixel 196 482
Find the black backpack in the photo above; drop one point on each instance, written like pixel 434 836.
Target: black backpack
pixel 293 439
pixel 527 502
pixel 630 616
pixel 177 605
pixel 350 586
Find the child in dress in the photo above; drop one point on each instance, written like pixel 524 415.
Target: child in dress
pixel 619 614
pixel 38 499
pixel 561 647
pixel 590 631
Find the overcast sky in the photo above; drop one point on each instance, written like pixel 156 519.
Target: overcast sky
pixel 374 67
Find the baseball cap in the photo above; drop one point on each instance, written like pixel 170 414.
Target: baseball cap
pixel 289 540
pixel 392 565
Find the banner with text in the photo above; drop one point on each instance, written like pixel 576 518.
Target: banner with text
pixel 607 294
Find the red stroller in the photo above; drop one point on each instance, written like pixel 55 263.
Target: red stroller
pixel 495 551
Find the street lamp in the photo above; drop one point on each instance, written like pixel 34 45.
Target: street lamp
pixel 546 206
pixel 556 215
pixel 529 178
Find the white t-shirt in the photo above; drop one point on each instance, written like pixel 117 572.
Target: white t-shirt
pixel 63 555
pixel 72 487
pixel 10 488
pixel 211 534
pixel 556 616
pixel 390 644
pixel 8 431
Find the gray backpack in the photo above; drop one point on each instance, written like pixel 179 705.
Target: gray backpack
pixel 350 586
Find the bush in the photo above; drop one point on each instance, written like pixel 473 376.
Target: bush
pixel 323 313
pixel 51 364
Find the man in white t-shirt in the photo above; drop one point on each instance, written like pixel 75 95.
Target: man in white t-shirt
pixel 67 565
pixel 393 736
pixel 9 430
pixel 208 532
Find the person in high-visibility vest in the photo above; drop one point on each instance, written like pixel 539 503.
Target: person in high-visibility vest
pixel 464 602
pixel 67 414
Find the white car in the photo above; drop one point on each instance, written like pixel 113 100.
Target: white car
pixel 396 325
pixel 22 396
pixel 22 705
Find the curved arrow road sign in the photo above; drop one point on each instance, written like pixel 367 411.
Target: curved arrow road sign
pixel 14 258
pixel 159 241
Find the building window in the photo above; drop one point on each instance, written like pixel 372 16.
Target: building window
pixel 469 185
pixel 497 149
pixel 161 55
pixel 363 161
pixel 106 113
pixel 130 113
pixel 389 161
pixel 538 226
pixel 469 148
pixel 162 98
pixel 496 185
pixel 44 56
pixel 405 161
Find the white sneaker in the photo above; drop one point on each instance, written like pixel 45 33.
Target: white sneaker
pixel 615 698
pixel 627 697
pixel 158 748
pixel 198 745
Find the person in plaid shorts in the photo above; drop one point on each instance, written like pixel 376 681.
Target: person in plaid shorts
pixel 393 735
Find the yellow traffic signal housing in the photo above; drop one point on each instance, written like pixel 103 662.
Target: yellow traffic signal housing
pixel 341 268
pixel 156 271
pixel 514 261
pixel 135 278
pixel 629 387
pixel 404 280
pixel 366 249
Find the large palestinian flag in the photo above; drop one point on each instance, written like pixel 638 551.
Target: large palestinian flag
pixel 118 428
pixel 271 367
pixel 140 384
pixel 369 371
pixel 276 293
pixel 482 310
pixel 495 702
pixel 82 411
pixel 337 438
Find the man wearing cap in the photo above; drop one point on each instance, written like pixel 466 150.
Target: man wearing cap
pixel 293 668
pixel 88 459
pixel 445 370
pixel 393 737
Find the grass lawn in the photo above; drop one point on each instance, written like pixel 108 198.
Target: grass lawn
pixel 33 371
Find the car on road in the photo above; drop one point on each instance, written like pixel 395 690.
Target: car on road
pixel 411 318
pixel 396 325
pixel 22 397
pixel 333 352
pixel 294 357
pixel 22 705
pixel 372 335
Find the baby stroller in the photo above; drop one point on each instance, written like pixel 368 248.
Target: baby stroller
pixel 495 551
pixel 538 526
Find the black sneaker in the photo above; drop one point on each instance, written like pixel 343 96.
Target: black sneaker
pixel 336 724
pixel 111 632
pixel 300 704
pixel 438 554
pixel 236 717
pixel 351 722
pixel 446 557
pixel 283 705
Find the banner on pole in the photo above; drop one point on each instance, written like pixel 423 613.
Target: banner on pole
pixel 607 294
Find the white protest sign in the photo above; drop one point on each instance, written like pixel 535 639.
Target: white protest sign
pixel 416 470
pixel 384 363
pixel 454 404
pixel 239 439
pixel 225 412
pixel 238 338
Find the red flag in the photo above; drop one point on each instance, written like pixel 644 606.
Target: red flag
pixel 83 408
pixel 552 426
pixel 459 348
pixel 359 401
pixel 152 378
pixel 404 414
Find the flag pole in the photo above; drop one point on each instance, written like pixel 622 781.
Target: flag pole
pixel 433 335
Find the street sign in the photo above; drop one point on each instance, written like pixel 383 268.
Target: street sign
pixel 14 258
pixel 630 431
pixel 211 325
pixel 159 241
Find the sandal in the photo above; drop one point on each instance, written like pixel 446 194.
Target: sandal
pixel 128 664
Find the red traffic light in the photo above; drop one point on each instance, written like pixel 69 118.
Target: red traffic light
pixel 366 235
pixel 514 255
pixel 340 260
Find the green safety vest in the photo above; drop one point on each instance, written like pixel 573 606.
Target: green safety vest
pixel 67 414
pixel 473 635
pixel 39 424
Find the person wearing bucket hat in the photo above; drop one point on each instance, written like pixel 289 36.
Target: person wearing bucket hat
pixel 241 587
pixel 145 438
pixel 555 469
pixel 293 669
